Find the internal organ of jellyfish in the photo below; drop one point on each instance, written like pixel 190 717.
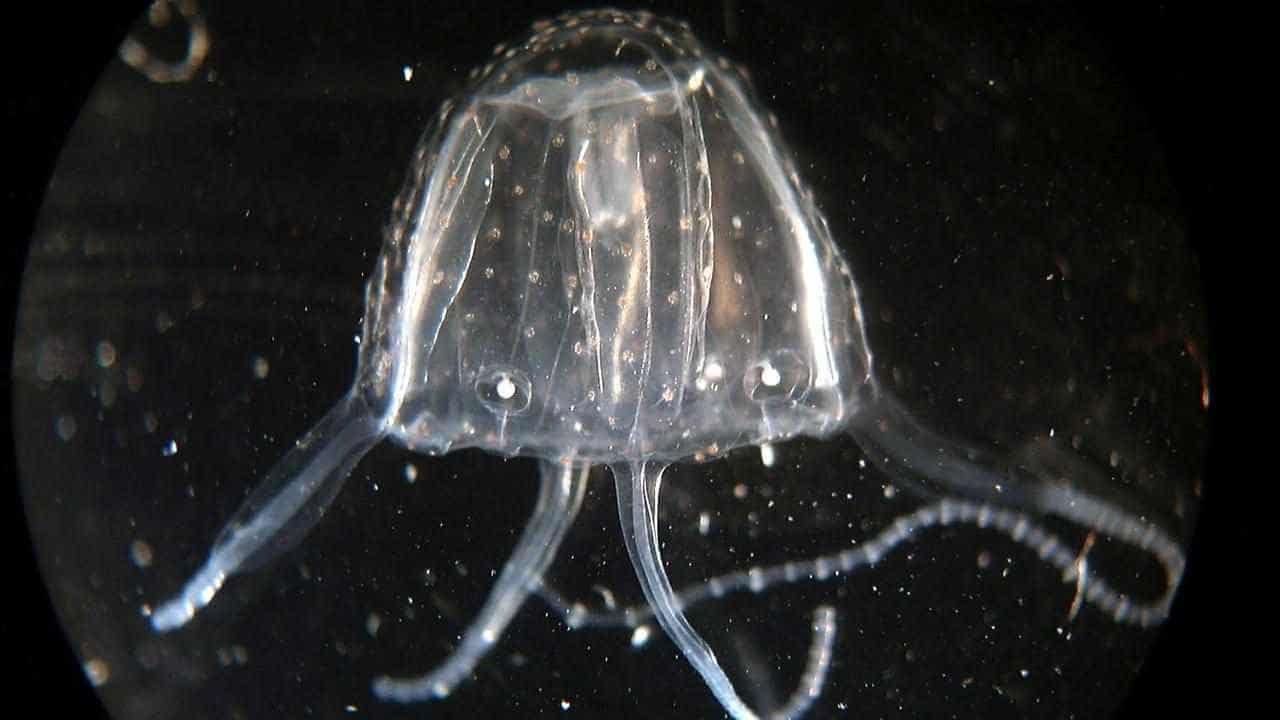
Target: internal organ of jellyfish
pixel 603 254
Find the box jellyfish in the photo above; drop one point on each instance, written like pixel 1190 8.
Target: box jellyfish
pixel 605 255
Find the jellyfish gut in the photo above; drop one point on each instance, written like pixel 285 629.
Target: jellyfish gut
pixel 603 254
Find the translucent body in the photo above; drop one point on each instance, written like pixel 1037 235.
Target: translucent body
pixel 604 254
pixel 626 243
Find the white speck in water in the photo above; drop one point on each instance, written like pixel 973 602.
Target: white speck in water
pixel 640 636
pixel 408 73
pixel 506 389
pixel 65 427
pixel 353 708
pixel 704 522
pixel 141 554
pixel 106 354
pixel 150 422
pixel 170 448
pixel 372 623
pixel 768 455
pixel 565 705
pixel 98 671
pixel 410 473
pixel 261 367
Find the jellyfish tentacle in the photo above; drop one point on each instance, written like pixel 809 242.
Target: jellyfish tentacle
pixel 814 677
pixel 924 462
pixel 1016 525
pixel 560 493
pixel 638 484
pixel 281 510
pixel 907 450
pixel 1093 513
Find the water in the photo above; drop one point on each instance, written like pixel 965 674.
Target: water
pixel 1063 383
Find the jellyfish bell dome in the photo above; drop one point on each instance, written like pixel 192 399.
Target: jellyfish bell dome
pixel 610 224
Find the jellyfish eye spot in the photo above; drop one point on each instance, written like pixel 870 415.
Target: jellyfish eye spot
pixel 504 389
pixel 777 377
pixel 770 376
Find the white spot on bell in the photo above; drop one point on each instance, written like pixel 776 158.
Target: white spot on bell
pixel 695 80
pixel 714 371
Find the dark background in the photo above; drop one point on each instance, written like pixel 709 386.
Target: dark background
pixel 1180 67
